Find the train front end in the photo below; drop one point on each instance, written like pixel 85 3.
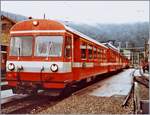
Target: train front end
pixel 35 58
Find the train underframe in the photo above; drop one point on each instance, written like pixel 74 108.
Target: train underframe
pixel 53 86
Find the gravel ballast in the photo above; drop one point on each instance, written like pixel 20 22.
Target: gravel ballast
pixel 144 93
pixel 93 104
pixel 85 104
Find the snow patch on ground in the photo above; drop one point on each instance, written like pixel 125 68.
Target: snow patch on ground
pixel 4 83
pixel 6 93
pixel 137 73
pixel 7 96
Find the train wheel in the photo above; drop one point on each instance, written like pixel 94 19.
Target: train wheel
pixel 66 92
pixel 82 83
pixel 51 94
pixel 14 90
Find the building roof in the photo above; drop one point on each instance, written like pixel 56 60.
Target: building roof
pixel 2 17
pixel 13 17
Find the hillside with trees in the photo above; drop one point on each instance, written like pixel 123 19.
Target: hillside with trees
pixel 134 34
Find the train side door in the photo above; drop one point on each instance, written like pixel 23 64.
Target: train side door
pixel 69 48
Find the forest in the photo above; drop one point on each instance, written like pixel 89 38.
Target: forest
pixel 133 34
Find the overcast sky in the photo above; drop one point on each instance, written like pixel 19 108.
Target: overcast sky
pixel 82 11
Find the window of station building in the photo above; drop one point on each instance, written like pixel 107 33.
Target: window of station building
pixel 95 53
pixel 90 55
pixel 68 44
pixel 4 26
pixel 83 50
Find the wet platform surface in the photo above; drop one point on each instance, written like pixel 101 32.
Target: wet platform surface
pixel 118 84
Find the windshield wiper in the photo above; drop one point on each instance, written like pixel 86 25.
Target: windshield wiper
pixel 19 51
pixel 49 48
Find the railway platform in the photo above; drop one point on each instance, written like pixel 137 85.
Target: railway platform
pixel 119 84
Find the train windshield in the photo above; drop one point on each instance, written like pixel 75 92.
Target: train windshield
pixel 21 46
pixel 50 46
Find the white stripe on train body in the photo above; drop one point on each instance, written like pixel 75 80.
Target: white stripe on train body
pixel 63 67
pixel 81 64
pixel 36 66
pixel 37 31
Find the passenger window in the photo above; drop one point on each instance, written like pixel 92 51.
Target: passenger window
pixel 99 54
pixel 105 59
pixel 68 47
pixel 102 55
pixel 95 53
pixel 83 50
pixel 90 56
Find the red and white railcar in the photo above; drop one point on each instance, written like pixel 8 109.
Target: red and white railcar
pixel 46 54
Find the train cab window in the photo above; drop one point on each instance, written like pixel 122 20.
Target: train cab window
pixel 95 53
pixel 90 55
pixel 21 46
pixel 50 46
pixel 68 44
pixel 83 50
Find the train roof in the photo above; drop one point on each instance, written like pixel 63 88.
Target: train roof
pixel 111 46
pixel 49 25
pixel 84 36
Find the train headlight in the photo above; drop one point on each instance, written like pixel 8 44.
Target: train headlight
pixel 11 66
pixel 54 67
pixel 35 23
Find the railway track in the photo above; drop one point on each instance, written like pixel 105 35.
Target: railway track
pixel 31 103
pixel 28 105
